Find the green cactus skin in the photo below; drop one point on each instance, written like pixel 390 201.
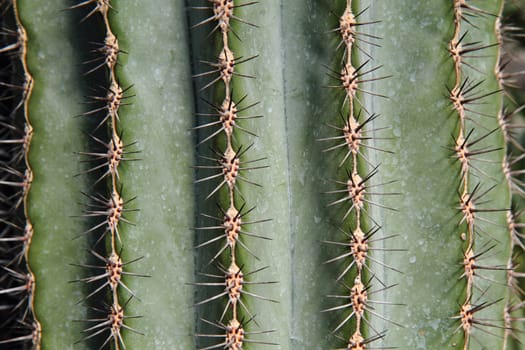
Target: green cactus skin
pixel 159 120
pixel 150 114
pixel 295 50
pixel 428 217
pixel 55 193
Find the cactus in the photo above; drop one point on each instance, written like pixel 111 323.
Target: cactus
pixel 240 175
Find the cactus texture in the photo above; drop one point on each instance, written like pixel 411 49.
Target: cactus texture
pixel 233 174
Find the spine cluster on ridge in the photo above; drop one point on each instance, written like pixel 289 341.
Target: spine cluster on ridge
pixel 356 193
pixel 231 168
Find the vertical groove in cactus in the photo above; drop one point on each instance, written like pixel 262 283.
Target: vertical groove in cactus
pixel 294 56
pixel 307 46
pixel 158 121
pixel 155 39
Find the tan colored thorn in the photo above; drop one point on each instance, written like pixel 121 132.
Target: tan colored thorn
pixel 507 171
pixel 223 13
pixel 28 89
pixel 30 285
pixel 110 50
pixel 513 229
pixel 347 23
pixel 114 98
pixel 19 45
pixel 454 49
pixel 349 79
pixel 115 210
pixel 356 342
pixel 504 124
pixel 230 167
pixel 116 320
pixel 234 281
pixel 28 232
pixel 28 237
pixel 359 248
pixel 469 264
pixel 512 278
pixel 26 185
pixel 352 134
pixel 498 26
pixel 226 65
pixel 115 153
pixel 510 221
pixel 356 190
pixel 457 99
pixel 228 115
pixel 232 226
pixel 234 335
pixel 467 318
pixel 114 270
pixel 101 6
pixel 508 321
pixel 467 208
pixel 28 135
pixel 358 297
pixel 458 11
pixel 499 71
pixel 462 153
pixel 36 335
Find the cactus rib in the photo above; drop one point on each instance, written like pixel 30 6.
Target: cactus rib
pixel 111 209
pixel 19 268
pixel 231 171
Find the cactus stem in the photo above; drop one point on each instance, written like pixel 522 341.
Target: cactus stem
pixel 465 93
pixel 357 192
pixel 110 208
pixel 18 176
pixel 514 302
pixel 230 169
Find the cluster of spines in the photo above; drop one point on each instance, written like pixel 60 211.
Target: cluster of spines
pixel 357 191
pixel 515 302
pixel 112 207
pixel 17 282
pixel 467 149
pixel 230 168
